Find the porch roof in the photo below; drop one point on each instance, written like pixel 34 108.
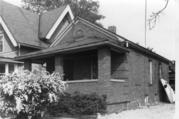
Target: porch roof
pixel 8 60
pixel 85 44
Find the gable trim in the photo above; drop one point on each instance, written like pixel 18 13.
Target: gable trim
pixel 3 44
pixel 8 32
pixel 52 30
pixel 100 29
pixel 63 33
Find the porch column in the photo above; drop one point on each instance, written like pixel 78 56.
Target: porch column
pixel 15 68
pixel 28 65
pixel 59 64
pixel 6 68
pixel 104 70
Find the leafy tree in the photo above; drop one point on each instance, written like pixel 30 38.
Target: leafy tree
pixel 87 9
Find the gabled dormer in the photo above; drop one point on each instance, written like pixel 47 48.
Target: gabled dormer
pixel 30 30
pixel 53 23
pixel 7 42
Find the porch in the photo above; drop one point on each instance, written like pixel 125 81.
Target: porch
pixel 92 70
pixel 8 65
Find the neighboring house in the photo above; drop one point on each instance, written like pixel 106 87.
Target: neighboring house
pixel 91 58
pixel 22 32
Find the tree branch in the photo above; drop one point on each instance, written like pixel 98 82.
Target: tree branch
pixel 155 15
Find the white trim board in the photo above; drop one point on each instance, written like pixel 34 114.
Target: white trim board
pixel 118 80
pixel 62 34
pixel 2 34
pixel 8 32
pixel 83 81
pixel 52 30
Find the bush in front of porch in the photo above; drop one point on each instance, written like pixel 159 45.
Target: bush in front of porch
pixel 27 95
pixel 78 104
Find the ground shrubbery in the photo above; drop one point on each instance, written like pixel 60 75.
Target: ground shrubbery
pixel 28 94
pixel 78 104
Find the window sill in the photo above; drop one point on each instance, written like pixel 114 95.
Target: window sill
pixel 83 81
pixel 118 80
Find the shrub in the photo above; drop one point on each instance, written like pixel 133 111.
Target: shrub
pixel 27 94
pixel 78 104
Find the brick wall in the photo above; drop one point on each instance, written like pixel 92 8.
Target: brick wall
pixel 139 77
pixel 119 66
pixel 132 66
pixel 104 71
pixel 132 92
pixel 83 87
pixel 102 85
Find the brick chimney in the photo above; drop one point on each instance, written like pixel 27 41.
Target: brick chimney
pixel 112 29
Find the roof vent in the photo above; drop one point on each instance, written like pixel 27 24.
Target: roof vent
pixel 112 29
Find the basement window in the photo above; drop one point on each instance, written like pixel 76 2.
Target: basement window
pixel 150 71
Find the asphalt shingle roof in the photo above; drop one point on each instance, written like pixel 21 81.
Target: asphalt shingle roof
pixel 24 25
pixel 48 19
pixel 69 46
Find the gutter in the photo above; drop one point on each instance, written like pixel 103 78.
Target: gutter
pixel 147 52
pixel 65 50
pixel 32 46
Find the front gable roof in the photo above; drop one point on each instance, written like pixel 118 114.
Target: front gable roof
pixel 50 20
pixel 68 42
pixel 22 27
pixel 79 36
pixel 26 28
pixel 89 29
pixel 3 24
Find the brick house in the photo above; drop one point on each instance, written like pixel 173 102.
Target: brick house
pixel 92 59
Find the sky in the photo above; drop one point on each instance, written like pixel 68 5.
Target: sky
pixel 128 17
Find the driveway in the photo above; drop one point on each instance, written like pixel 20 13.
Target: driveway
pixel 160 111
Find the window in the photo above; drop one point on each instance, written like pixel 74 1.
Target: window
pixel 150 71
pixel 81 66
pixel 11 68
pixel 94 68
pixel 1 42
pixel 2 69
pixel 160 70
